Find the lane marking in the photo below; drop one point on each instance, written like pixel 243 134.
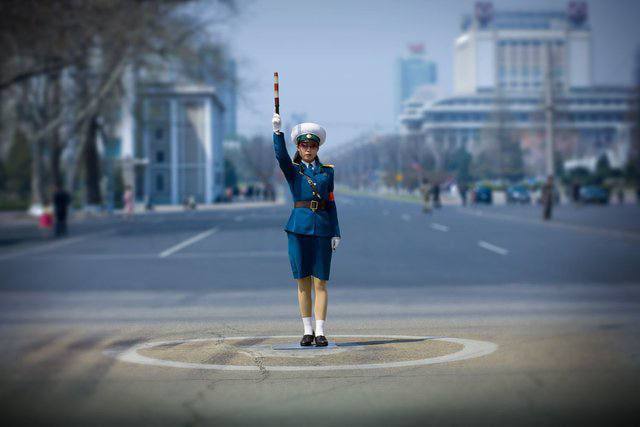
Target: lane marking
pixel 471 349
pixel 187 242
pixel 238 254
pixel 52 245
pixel 607 232
pixel 346 201
pixel 493 248
pixel 439 227
pixel 184 255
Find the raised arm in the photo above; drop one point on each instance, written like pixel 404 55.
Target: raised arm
pixel 282 156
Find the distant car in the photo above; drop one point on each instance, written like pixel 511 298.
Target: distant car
pixel 482 194
pixel 518 194
pixel 594 194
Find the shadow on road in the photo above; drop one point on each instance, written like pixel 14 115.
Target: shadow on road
pixel 380 342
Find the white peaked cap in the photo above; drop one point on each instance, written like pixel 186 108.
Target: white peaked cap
pixel 312 128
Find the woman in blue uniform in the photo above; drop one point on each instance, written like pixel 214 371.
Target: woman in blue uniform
pixel 312 229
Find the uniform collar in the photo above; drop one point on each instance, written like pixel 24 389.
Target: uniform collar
pixel 308 171
pixel 315 163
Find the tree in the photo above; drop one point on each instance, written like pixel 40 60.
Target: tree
pixel 65 60
pixel 17 168
pixel 255 152
pixel 461 164
pixel 230 175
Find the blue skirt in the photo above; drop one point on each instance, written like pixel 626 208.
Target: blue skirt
pixel 309 255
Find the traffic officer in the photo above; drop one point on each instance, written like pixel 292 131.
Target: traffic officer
pixel 312 229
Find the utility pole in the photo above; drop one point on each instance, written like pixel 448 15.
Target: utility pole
pixel 549 109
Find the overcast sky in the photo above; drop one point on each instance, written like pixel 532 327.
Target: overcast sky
pixel 336 57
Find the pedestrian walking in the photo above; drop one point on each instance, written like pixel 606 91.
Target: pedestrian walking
pixel 436 195
pixel 61 202
pixel 547 198
pixel 45 221
pixel 128 201
pixel 463 188
pixel 575 192
pixel 425 192
pixel 312 230
pixel 620 194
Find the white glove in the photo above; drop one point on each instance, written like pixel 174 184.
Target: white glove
pixel 276 122
pixel 335 241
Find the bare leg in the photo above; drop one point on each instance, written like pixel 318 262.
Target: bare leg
pixel 304 296
pixel 320 287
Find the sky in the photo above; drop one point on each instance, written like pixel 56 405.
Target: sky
pixel 336 59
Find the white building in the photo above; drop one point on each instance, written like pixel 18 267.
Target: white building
pixel 501 60
pixel 180 137
pixel 507 50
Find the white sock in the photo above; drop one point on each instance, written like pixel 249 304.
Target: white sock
pixel 319 327
pixel 308 329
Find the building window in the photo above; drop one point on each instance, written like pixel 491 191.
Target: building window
pixel 159 182
pixel 159 156
pixel 159 133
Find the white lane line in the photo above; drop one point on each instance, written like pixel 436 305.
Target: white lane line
pixel 181 255
pixel 190 241
pixel 244 254
pixel 52 245
pixel 346 201
pixel 439 227
pixel 607 232
pixel 493 248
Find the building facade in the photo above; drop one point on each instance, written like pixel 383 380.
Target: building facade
pixel 504 62
pixel 171 129
pixel 180 136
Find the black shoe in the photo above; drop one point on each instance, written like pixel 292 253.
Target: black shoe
pixel 321 341
pixel 307 340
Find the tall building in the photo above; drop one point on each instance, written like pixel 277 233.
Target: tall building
pixel 508 50
pixel 413 71
pixel 500 69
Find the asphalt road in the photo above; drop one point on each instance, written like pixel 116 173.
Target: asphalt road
pixel 560 300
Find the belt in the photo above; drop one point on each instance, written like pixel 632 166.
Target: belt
pixel 311 204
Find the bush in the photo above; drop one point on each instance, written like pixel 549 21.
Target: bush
pixel 11 203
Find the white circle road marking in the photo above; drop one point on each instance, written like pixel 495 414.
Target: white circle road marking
pixel 471 349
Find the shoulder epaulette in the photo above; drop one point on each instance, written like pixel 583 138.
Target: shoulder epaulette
pixel 327 165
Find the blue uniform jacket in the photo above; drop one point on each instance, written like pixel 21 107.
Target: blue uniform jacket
pixel 322 222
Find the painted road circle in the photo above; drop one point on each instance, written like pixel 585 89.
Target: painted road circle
pixel 470 349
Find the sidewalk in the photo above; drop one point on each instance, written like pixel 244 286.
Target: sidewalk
pixel 211 207
pixel 446 199
pixel 22 218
